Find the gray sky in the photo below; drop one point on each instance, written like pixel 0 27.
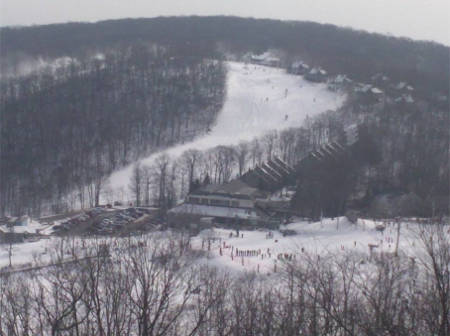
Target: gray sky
pixel 417 19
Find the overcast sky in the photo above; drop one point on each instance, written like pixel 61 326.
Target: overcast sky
pixel 417 19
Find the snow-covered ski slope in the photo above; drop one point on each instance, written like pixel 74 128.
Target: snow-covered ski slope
pixel 259 99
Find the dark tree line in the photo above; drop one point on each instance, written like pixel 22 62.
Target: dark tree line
pixel 355 53
pixel 412 146
pixel 65 129
pixel 402 150
pixel 324 187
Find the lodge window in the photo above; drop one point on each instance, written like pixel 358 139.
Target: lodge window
pixel 194 200
pixel 217 202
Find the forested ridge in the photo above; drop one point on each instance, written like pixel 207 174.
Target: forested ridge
pixel 131 86
pixel 67 129
pixel 339 50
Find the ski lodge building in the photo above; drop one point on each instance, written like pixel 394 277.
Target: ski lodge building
pixel 252 198
pixel 241 201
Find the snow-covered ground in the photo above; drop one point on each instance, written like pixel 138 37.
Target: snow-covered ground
pixel 259 99
pixel 26 253
pixel 328 236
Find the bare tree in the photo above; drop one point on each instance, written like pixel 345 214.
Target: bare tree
pixel 226 162
pixel 209 315
pixel 190 159
pixel 147 180
pixel 287 144
pixel 435 239
pixel 223 161
pixel 61 302
pixel 159 287
pixel 242 152
pixel 256 153
pixel 135 185
pixel 269 141
pixel 160 172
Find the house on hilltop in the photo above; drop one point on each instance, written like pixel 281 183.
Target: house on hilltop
pixel 316 75
pixel 404 99
pixel 380 80
pixel 402 89
pixel 266 59
pixel 299 68
pixel 368 94
pixel 340 82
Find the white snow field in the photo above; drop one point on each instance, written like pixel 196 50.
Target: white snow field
pixel 319 238
pixel 259 99
pixel 336 236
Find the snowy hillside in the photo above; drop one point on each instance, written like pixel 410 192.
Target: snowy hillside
pixel 259 99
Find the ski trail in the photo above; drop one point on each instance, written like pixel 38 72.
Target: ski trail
pixel 256 103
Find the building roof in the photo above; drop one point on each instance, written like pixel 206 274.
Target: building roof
pixel 379 77
pixel 271 176
pixel 300 64
pixel 340 79
pixel 401 86
pixel 364 88
pixel 266 57
pixel 405 99
pixel 317 71
pixel 327 151
pixel 376 90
